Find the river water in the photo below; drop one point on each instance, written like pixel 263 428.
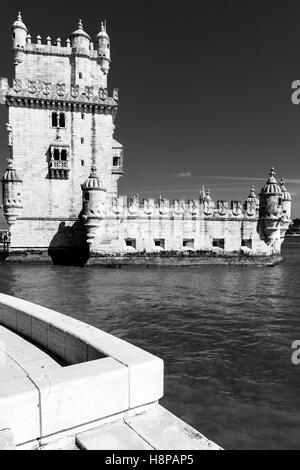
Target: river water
pixel 225 334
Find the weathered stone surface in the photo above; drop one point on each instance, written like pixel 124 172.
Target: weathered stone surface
pixel 7 440
pixel 115 436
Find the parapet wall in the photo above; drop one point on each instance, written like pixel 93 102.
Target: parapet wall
pixel 105 376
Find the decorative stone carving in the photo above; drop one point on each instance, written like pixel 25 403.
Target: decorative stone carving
pixel 164 206
pixel 17 85
pixel 116 206
pixel 223 208
pixel 46 88
pixel 89 92
pixel 251 208
pixel 32 86
pixel 10 134
pixel 192 207
pixel 103 93
pixel 179 206
pixel 133 205
pixel 148 206
pixel 61 89
pixel 74 91
pixel 116 94
pixel 237 208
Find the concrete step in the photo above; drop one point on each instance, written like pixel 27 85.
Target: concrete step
pixel 156 428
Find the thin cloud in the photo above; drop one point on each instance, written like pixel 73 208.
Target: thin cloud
pixel 188 174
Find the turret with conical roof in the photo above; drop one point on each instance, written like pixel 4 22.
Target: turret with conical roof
pixel 270 197
pixel 286 201
pixel 103 43
pixel 80 40
pixel 19 35
pixel 94 195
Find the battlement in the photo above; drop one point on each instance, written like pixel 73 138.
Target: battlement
pixel 60 91
pixel 132 207
pixel 55 48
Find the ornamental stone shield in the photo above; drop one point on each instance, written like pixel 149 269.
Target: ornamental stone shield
pixel 89 92
pixel 192 207
pixel 223 208
pixel 164 206
pixel 116 94
pixel 148 206
pixel 237 208
pixel 32 86
pixel 61 89
pixel 103 93
pixel 74 91
pixel 17 85
pixel 46 88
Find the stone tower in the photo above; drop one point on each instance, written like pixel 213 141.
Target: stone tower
pixel 61 122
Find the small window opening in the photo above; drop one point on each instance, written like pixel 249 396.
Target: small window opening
pixel 82 116
pixel 62 120
pixel 80 75
pixel 219 243
pixel 131 243
pixel 159 243
pixel 54 120
pixel 63 155
pixel 189 243
pixel 116 161
pixel 82 163
pixel 247 243
pixel 82 140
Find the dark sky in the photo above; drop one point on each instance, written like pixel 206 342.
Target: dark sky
pixel 205 89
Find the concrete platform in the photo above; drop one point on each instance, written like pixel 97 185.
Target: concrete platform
pixel 100 393
pixel 19 358
pixel 154 429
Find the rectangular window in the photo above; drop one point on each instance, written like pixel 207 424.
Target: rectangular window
pixel 219 243
pixel 131 242
pixel 247 243
pixel 82 140
pixel 189 243
pixel 82 163
pixel 159 243
pixel 82 116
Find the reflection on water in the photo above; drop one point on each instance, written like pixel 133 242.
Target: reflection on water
pixel 225 334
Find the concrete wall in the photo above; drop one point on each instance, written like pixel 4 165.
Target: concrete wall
pixel 118 377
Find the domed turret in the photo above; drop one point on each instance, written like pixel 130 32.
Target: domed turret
pixel 11 187
pixel 286 201
pixel 103 43
pixel 94 195
pixel 80 40
pixel 270 208
pixel 270 197
pixel 19 35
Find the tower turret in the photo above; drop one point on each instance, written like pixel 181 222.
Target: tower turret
pixel 11 186
pixel 19 35
pixel 80 40
pixel 286 201
pixel 94 195
pixel 270 207
pixel 103 43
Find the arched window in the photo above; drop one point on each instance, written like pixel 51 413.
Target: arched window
pixel 54 119
pixel 62 120
pixel 63 155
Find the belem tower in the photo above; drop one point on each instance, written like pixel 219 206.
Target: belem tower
pixel 60 189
